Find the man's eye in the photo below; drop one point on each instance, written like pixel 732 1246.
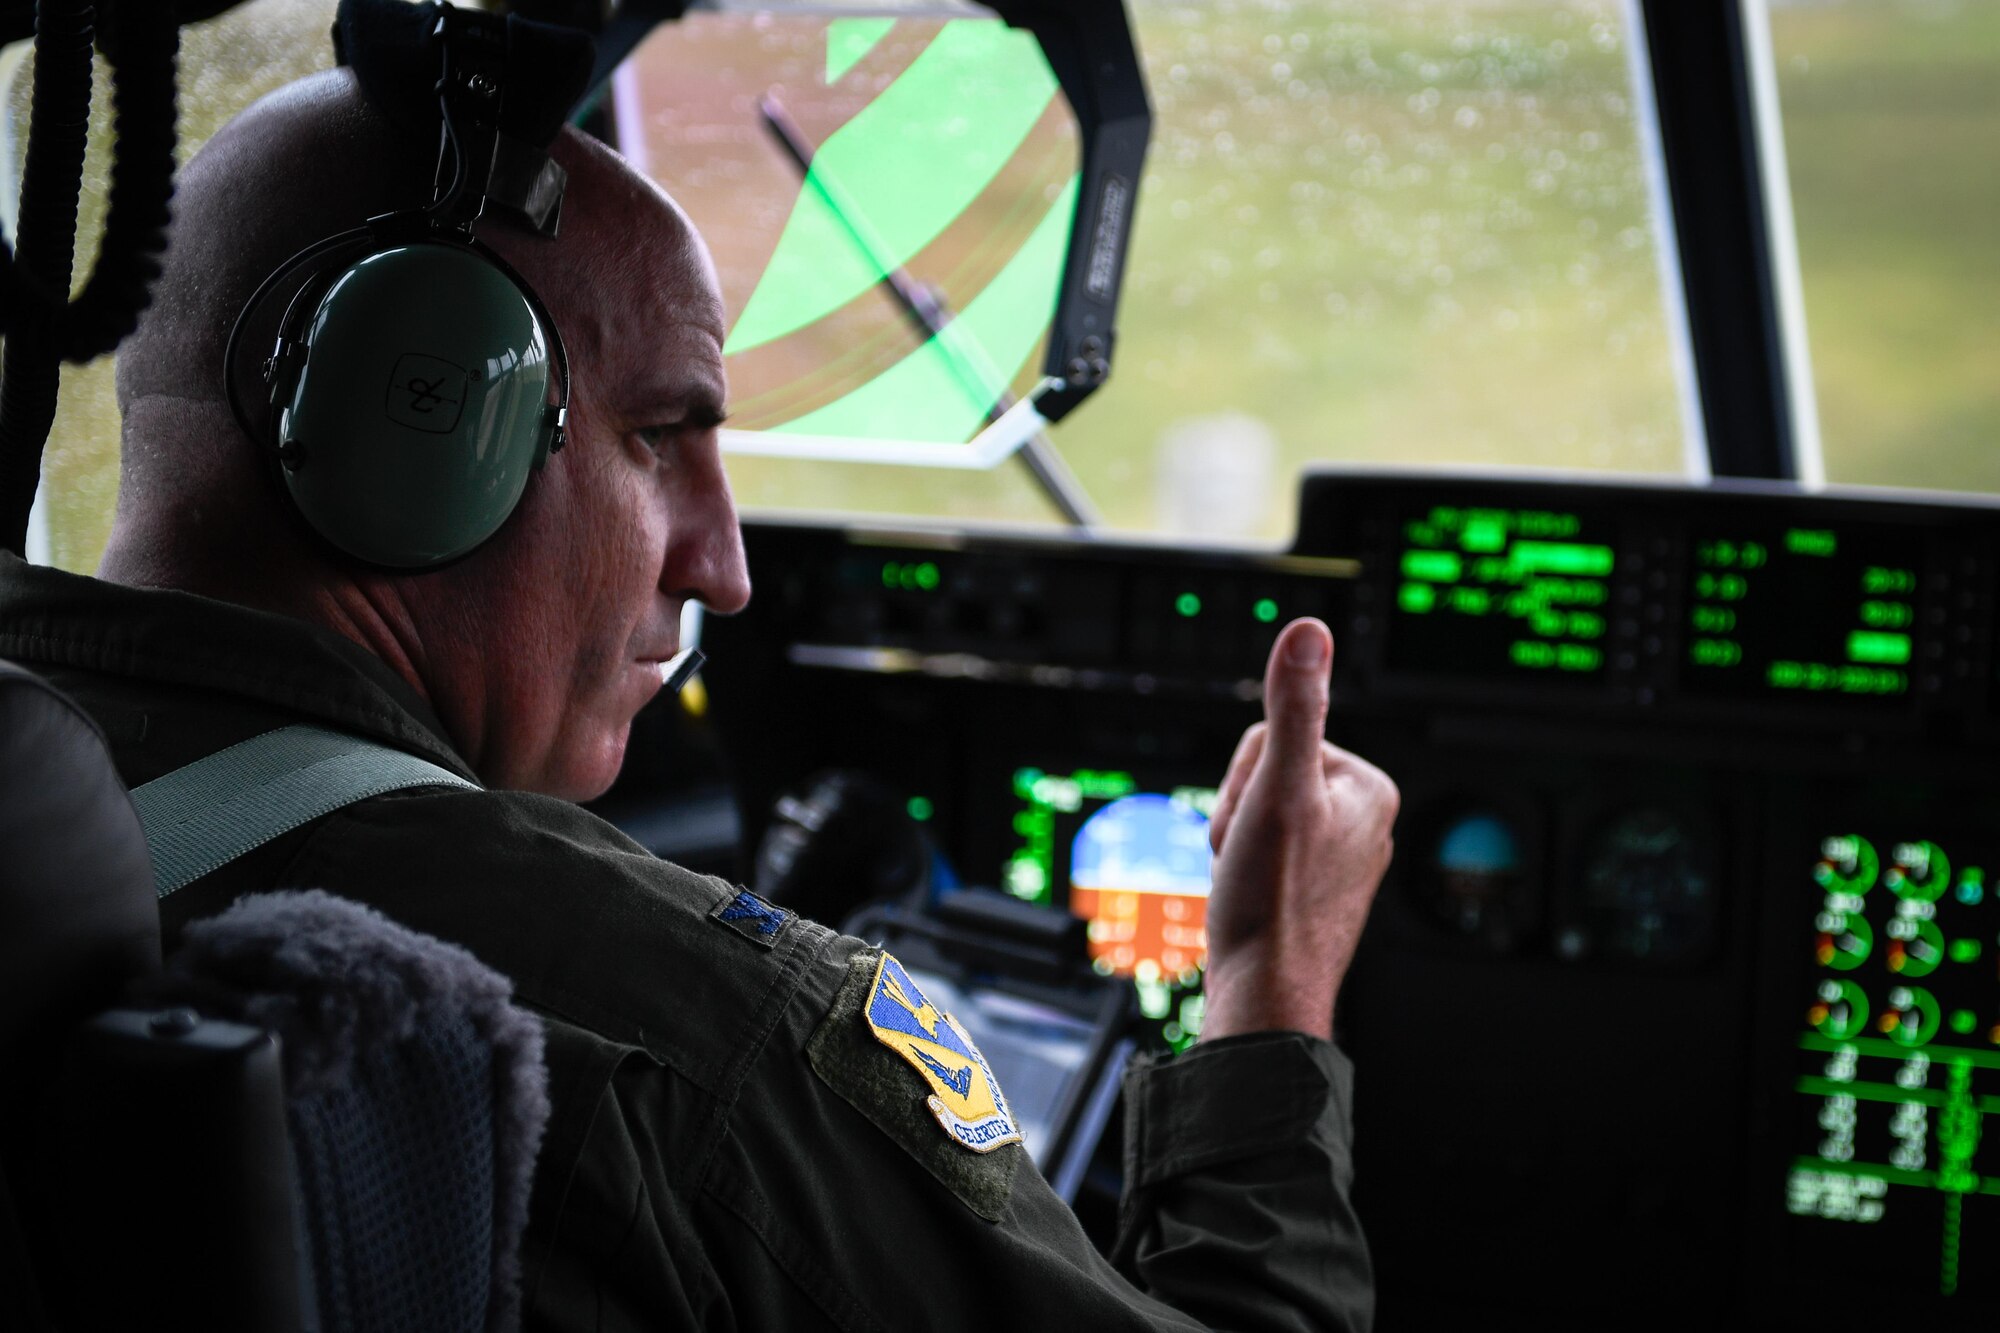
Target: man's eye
pixel 703 419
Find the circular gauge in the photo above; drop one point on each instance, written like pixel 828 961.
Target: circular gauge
pixel 1841 1011
pixel 1474 879
pixel 1912 1016
pixel 1648 891
pixel 1845 940
pixel 1920 872
pixel 1916 947
pixel 1847 864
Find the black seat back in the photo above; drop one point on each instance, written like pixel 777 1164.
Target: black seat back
pixel 145 1175
pixel 78 918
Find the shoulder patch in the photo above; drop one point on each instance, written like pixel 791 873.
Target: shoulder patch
pixel 854 1059
pixel 965 1097
pixel 752 918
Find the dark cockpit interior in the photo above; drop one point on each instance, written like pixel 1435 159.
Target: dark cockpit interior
pixel 1687 947
pixel 1680 1004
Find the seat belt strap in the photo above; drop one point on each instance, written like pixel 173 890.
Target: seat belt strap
pixel 202 817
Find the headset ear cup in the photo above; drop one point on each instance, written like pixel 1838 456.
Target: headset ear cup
pixel 421 404
pixel 263 351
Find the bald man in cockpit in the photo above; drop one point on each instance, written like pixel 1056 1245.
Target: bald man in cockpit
pixel 734 1142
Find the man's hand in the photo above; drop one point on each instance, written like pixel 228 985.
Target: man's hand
pixel 1301 838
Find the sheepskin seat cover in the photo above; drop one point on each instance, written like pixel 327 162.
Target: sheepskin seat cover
pixel 416 1096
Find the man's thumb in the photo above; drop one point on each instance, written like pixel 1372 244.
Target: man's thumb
pixel 1295 690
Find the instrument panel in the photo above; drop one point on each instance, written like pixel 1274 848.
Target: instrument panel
pixel 1684 988
pixel 1740 601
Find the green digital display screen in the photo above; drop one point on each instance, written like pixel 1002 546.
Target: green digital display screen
pixel 1894 1161
pixel 1133 861
pixel 1500 592
pixel 1807 613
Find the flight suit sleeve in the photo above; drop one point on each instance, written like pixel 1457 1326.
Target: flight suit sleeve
pixel 1237 1174
pixel 610 1246
pixel 836 1199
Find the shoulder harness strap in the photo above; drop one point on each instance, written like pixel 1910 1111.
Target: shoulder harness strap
pixel 200 818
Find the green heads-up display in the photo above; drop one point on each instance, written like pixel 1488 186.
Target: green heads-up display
pixel 418 410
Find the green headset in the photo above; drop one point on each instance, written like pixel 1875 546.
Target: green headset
pixel 417 382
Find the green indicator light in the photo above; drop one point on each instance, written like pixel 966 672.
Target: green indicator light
pixel 1266 610
pixel 927 576
pixel 892 574
pixel 1919 872
pixel 1819 677
pixel 1845 941
pixel 1963 1021
pixel 1732 555
pixel 1470 601
pixel 1543 523
pixel 1559 558
pixel 1714 619
pixel 1715 652
pixel 921 809
pixel 1965 951
pixel 1887 615
pixel 1584 625
pixel 1912 1017
pixel 1807 541
pixel 1432 566
pixel 1916 947
pixel 1026 878
pixel 1722 587
pixel 1971 885
pixel 1570 592
pixel 1848 863
pixel 1577 657
pixel 1484 533
pixel 1876 580
pixel 1416 598
pixel 1841 1012
pixel 1875 646
pixel 1533 655
pixel 1958 1131
pixel 1188 604
pixel 1106 786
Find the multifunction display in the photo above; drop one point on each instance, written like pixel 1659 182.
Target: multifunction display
pixel 1134 864
pixel 1895 1166
pixel 1501 592
pixel 1798 611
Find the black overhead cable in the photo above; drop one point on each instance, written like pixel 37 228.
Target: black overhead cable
pixel 44 253
pixel 43 326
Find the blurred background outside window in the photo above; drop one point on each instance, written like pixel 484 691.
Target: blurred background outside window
pixel 1891 118
pixel 1407 232
pixel 1400 232
pixel 226 64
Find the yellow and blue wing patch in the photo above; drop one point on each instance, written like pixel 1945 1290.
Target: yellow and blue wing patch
pixel 965 1097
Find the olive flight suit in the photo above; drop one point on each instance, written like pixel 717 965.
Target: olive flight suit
pixel 730 1144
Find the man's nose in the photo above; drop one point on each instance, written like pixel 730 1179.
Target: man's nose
pixel 706 555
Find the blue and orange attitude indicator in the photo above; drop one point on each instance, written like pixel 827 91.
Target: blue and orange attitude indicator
pixel 965 1097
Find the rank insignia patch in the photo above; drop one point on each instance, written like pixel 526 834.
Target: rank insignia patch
pixel 965 1098
pixel 752 918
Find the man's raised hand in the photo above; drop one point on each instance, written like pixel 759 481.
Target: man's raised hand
pixel 1301 836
